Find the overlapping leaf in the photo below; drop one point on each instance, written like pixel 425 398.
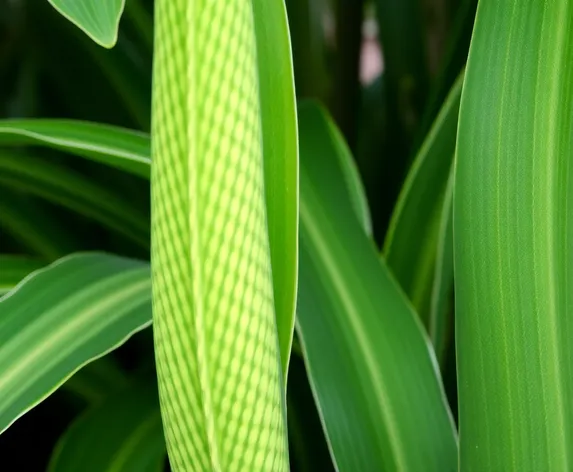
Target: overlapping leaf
pixel 372 371
pixel 411 243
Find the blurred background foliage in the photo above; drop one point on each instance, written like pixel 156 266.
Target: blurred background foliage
pixel 382 68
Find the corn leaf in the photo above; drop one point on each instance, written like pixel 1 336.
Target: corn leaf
pixel 411 243
pixel 99 19
pixel 218 357
pixel 121 434
pixel 513 236
pixel 370 365
pixel 280 151
pixel 62 317
pixel 13 268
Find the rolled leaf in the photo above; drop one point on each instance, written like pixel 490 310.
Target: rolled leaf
pixel 217 351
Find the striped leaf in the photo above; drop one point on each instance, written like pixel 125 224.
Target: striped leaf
pixel 218 357
pixel 92 140
pixel 513 236
pixel 62 317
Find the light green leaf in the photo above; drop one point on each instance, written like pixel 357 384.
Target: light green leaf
pixel 217 351
pixel 13 268
pixel 513 240
pixel 323 137
pixel 63 186
pixel 280 151
pixel 122 434
pixel 99 19
pixel 92 140
pixel 62 317
pixel 412 240
pixel 371 367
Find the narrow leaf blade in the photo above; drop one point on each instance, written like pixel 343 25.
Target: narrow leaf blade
pixel 412 240
pixel 371 368
pixel 280 155
pixel 119 147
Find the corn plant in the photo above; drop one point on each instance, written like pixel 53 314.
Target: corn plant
pixel 223 250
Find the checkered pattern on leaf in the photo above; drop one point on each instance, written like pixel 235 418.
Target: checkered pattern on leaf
pixel 216 341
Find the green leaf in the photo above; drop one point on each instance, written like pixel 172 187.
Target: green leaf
pixel 513 240
pixel 13 268
pixel 280 151
pixel 323 137
pixel 62 317
pixel 122 434
pixel 411 243
pixel 122 148
pixel 371 368
pixel 99 19
pixel 65 187
pixel 217 351
pixel 440 319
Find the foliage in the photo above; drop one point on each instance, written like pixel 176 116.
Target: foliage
pixel 222 248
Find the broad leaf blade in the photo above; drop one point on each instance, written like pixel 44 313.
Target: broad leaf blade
pixel 513 236
pixel 99 19
pixel 121 434
pixel 412 239
pixel 99 142
pixel 218 358
pixel 13 268
pixel 62 317
pixel 370 365
pixel 280 151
